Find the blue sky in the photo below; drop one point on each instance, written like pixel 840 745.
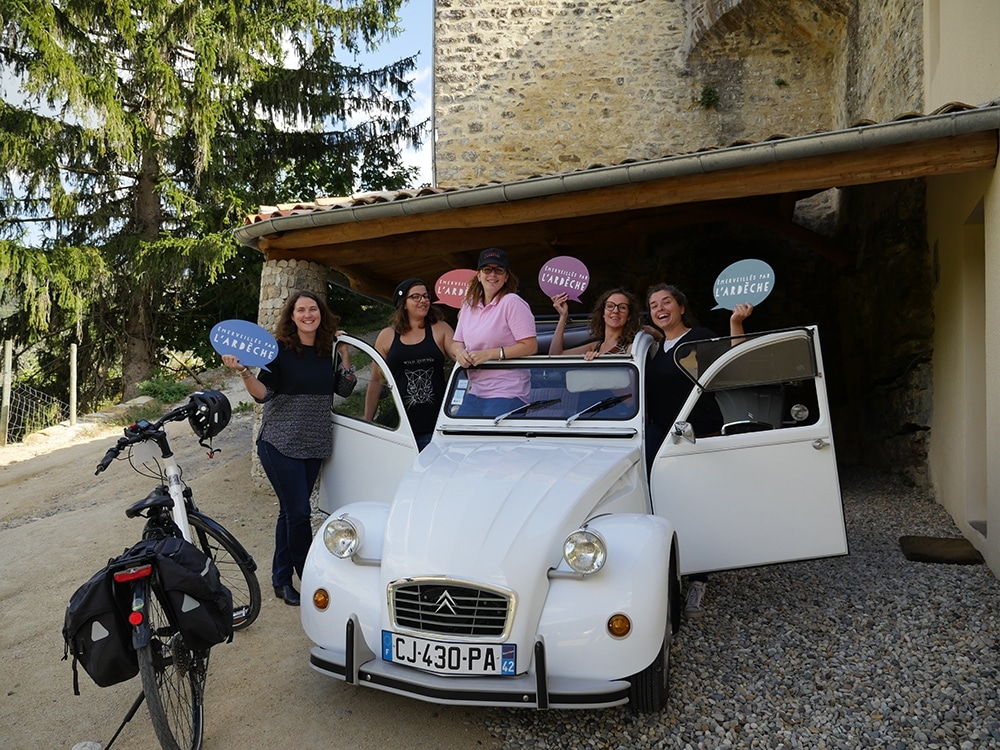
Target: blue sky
pixel 417 37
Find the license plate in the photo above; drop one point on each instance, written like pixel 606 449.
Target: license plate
pixel 495 659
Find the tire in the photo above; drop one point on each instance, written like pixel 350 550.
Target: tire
pixel 650 688
pixel 236 567
pixel 173 681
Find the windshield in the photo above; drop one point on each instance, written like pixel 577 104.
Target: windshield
pixel 565 393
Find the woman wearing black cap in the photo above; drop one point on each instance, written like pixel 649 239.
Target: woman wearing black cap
pixel 494 324
pixel 414 346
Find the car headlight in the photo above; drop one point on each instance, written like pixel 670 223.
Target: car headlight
pixel 342 536
pixel 585 551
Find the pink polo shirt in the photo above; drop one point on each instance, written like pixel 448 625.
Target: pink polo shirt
pixel 503 322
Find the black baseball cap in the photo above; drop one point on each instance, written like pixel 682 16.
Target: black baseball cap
pixel 492 256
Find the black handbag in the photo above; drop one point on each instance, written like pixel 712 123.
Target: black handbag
pixel 344 381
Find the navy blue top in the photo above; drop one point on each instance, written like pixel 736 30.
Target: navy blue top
pixel 297 417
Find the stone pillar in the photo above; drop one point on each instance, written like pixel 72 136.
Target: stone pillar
pixel 278 279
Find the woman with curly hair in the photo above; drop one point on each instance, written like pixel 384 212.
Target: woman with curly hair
pixel 296 430
pixel 614 323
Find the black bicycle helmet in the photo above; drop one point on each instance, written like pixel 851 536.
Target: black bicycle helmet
pixel 210 414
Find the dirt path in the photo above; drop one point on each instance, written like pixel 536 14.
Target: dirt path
pixel 59 524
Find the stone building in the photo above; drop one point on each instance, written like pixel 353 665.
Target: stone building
pixel 664 139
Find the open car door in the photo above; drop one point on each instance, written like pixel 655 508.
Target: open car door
pixel 369 455
pixel 766 490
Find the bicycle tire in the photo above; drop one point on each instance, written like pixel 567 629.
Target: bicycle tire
pixel 236 567
pixel 173 680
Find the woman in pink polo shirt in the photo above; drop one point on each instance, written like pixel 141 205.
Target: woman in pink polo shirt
pixel 493 324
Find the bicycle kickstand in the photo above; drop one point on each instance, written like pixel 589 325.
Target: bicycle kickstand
pixel 127 719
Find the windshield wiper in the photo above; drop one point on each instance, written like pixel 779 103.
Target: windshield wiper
pixel 599 406
pixel 527 407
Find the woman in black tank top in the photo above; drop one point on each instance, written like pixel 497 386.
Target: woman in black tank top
pixel 414 346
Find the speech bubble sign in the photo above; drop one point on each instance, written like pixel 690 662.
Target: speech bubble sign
pixel 747 280
pixel 254 345
pixel 452 286
pixel 564 274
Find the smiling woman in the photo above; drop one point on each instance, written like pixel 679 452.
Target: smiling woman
pixel 493 324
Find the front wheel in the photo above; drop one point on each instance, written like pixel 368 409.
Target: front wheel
pixel 173 681
pixel 236 567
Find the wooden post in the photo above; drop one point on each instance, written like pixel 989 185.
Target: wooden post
pixel 8 363
pixel 72 384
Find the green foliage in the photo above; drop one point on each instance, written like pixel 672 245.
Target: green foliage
pixel 164 388
pixel 709 98
pixel 143 133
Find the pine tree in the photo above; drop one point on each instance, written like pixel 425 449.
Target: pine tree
pixel 144 131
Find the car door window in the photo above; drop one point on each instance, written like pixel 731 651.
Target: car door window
pixel 369 386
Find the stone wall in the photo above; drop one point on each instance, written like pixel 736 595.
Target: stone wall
pixel 534 87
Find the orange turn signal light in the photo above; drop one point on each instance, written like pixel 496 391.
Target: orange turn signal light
pixel 321 599
pixel 619 625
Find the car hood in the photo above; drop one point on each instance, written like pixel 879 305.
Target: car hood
pixel 496 512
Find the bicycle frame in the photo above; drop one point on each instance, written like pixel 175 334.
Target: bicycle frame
pixel 170 471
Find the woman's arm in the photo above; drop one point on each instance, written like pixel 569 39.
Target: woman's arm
pixel 254 387
pixel 445 338
pixel 740 313
pixel 561 304
pixel 374 390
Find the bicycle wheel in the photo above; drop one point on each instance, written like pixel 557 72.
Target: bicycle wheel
pixel 236 567
pixel 173 681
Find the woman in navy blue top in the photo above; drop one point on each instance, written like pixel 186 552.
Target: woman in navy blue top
pixel 296 431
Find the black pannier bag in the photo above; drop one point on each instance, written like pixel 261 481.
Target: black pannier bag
pixel 96 628
pixel 199 602
pixel 97 632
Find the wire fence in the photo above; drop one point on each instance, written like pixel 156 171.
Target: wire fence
pixel 32 410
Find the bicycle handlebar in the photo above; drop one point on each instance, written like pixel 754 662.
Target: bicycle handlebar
pixel 140 431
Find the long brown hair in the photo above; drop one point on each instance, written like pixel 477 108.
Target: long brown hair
pixel 287 334
pixel 476 295
pixel 632 323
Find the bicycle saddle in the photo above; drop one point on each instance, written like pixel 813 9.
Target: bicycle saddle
pixel 158 498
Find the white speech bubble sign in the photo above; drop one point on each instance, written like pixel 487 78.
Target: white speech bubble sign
pixel 747 281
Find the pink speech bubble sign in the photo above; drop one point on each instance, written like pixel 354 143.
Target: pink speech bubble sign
pixel 564 275
pixel 451 287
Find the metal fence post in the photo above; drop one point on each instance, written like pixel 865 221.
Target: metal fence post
pixel 8 363
pixel 72 384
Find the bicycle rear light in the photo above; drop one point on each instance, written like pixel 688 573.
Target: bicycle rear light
pixel 133 574
pixel 135 618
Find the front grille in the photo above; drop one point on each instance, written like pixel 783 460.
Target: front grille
pixel 449 608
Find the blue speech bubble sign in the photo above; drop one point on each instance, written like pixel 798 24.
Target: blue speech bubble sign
pixel 254 345
pixel 747 280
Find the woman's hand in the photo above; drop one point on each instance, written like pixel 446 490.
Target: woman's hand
pixel 559 302
pixel 741 312
pixel 232 362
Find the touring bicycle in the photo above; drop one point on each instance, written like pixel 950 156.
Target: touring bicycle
pixel 533 558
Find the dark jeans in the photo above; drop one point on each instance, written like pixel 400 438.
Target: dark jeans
pixel 293 480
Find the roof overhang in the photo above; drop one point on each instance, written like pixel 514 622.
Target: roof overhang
pixel 375 244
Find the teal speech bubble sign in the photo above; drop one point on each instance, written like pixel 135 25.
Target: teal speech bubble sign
pixel 747 280
pixel 254 345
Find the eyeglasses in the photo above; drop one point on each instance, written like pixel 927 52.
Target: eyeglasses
pixel 418 297
pixel 620 307
pixel 492 270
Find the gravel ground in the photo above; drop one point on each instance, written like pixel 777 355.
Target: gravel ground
pixel 864 651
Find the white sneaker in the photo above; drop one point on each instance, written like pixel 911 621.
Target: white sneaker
pixel 695 597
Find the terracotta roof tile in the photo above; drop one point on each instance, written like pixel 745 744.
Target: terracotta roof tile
pixel 388 196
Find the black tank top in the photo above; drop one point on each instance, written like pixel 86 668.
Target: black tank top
pixel 418 370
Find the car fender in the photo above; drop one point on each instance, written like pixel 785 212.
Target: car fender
pixel 353 584
pixel 634 581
